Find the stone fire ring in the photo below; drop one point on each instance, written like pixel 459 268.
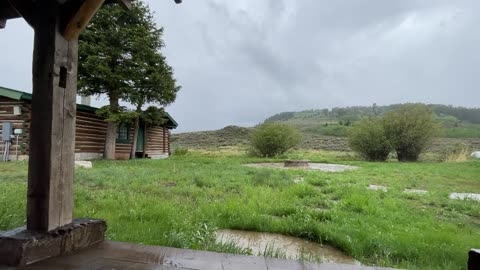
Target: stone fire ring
pixel 296 163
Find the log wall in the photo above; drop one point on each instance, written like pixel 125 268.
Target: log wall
pixel 90 132
pixel 158 141
pixel 21 121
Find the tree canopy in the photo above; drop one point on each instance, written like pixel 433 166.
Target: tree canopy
pixel 119 56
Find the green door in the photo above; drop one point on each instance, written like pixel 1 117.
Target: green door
pixel 140 139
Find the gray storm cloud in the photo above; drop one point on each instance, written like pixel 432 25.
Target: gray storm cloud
pixel 241 61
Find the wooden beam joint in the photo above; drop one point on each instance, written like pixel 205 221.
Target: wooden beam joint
pixel 24 8
pixel 78 16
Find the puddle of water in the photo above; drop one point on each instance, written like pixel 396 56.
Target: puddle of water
pixel 290 247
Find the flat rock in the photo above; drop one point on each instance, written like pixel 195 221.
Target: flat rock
pixel 378 187
pixel 463 196
pixel 475 154
pixel 415 191
pixel 298 180
pixel 83 164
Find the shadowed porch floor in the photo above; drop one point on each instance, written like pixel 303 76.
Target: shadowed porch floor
pixel 117 255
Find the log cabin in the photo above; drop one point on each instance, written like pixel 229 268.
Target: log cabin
pixel 90 129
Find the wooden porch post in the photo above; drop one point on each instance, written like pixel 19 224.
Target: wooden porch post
pixel 52 142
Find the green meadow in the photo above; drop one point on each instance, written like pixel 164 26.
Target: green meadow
pixel 181 201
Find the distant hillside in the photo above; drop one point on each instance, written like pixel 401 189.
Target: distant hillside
pixel 459 122
pixel 227 136
pixel 238 136
pixel 327 129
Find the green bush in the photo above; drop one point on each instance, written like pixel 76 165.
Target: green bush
pixel 180 151
pixel 367 138
pixel 271 139
pixel 410 129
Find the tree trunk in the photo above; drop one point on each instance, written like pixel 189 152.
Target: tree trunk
pixel 405 155
pixel 145 141
pixel 111 135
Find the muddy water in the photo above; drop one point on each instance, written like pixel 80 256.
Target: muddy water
pixel 291 247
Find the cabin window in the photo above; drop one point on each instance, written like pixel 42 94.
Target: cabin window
pixel 123 134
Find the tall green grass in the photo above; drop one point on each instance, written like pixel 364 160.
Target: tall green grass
pixel 183 200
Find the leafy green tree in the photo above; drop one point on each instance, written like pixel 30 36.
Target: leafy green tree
pixel 271 139
pixel 153 77
pixel 410 129
pixel 368 138
pixel 119 57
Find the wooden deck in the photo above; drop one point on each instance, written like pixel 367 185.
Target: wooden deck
pixel 116 255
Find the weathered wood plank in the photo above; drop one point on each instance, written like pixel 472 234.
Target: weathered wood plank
pixel 51 163
pixel 117 255
pixel 81 18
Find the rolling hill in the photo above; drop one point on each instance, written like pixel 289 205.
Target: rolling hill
pixel 327 128
pixel 458 122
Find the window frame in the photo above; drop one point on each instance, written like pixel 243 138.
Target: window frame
pixel 122 140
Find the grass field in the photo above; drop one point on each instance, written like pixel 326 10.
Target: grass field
pixel 182 200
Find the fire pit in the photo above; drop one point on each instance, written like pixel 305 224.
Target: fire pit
pixel 296 164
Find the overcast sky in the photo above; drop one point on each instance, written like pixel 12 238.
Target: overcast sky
pixel 241 61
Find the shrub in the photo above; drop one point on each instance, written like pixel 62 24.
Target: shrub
pixel 410 129
pixel 271 139
pixel 458 152
pixel 368 139
pixel 180 151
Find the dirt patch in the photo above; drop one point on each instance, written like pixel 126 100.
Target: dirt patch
pixel 324 167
